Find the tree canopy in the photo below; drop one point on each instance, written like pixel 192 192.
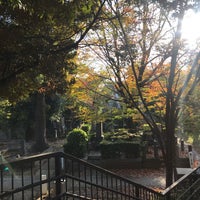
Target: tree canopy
pixel 140 45
pixel 146 64
pixel 39 40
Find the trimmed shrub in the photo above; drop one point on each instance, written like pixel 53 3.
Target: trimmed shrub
pixel 76 143
pixel 122 134
pixel 86 128
pixel 117 148
pixel 118 122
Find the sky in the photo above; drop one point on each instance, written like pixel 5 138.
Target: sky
pixel 191 28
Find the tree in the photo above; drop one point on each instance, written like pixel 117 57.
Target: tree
pixel 88 92
pixel 4 114
pixel 190 118
pixel 140 45
pixel 38 41
pixel 94 96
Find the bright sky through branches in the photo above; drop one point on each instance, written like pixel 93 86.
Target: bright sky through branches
pixel 191 28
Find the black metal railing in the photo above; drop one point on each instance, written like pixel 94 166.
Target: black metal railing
pixel 87 180
pixel 185 188
pixel 28 178
pixel 61 176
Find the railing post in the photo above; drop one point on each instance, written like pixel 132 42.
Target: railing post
pixel 168 196
pixel 58 172
pixel 137 193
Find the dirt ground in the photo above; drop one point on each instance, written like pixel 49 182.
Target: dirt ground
pixel 152 178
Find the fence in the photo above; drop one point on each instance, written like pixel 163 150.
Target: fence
pixel 61 176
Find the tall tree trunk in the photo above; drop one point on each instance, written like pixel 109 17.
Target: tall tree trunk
pixel 170 154
pixel 172 106
pixel 40 124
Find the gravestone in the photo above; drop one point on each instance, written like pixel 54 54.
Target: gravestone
pixel 99 131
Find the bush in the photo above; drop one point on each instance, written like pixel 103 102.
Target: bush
pixel 115 149
pixel 122 134
pixel 76 143
pixel 86 128
pixel 118 122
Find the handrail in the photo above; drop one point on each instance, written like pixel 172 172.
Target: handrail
pixel 78 177
pixel 189 192
pixel 68 176
pixel 174 185
pixel 21 176
pixel 108 182
pixel 189 182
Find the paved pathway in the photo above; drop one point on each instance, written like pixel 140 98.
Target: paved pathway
pixel 152 178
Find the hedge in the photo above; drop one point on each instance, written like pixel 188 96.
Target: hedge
pixel 117 148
